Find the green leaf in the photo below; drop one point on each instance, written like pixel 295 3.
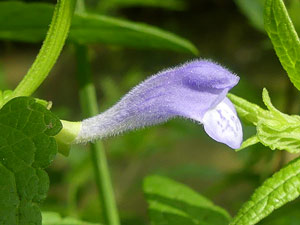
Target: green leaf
pixel 174 203
pixel 275 192
pixel 52 218
pixel 18 22
pixel 281 136
pixel 274 128
pixel 250 141
pixel 27 147
pixel 284 38
pixel 248 111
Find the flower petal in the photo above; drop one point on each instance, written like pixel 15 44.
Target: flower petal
pixel 187 91
pixel 222 124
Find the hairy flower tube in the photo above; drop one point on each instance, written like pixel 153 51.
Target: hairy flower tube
pixel 195 90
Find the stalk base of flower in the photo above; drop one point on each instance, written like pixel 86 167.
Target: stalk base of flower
pixel 67 136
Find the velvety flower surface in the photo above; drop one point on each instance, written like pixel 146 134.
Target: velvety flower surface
pixel 195 90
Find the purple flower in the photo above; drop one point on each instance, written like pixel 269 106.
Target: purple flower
pixel 196 90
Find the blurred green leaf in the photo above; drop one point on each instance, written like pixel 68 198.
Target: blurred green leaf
pixel 275 192
pixel 27 147
pixel 29 22
pixel 174 203
pixel 52 218
pixel 253 9
pixel 284 38
pixel 166 4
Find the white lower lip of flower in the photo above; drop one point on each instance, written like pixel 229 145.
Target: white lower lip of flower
pixel 222 124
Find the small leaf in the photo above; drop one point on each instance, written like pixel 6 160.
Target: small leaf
pixel 27 147
pixel 284 38
pixel 18 22
pixel 281 188
pixel 250 141
pixel 174 203
pixel 267 101
pixel 52 218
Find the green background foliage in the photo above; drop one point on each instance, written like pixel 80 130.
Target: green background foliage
pixel 127 41
pixel 18 21
pixel 173 203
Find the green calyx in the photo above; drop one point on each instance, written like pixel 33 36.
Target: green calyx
pixel 274 128
pixel 67 135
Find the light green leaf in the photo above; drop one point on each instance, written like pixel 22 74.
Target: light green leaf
pixel 250 141
pixel 27 147
pixel 174 203
pixel 18 22
pixel 52 218
pixel 284 38
pixel 248 111
pixel 281 188
pixel 274 128
pixel 281 136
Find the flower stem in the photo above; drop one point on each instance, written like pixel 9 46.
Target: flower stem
pixel 89 106
pixel 50 49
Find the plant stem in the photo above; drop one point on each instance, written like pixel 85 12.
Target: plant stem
pixel 50 49
pixel 89 106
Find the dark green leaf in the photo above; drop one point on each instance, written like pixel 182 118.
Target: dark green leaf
pixel 18 22
pixel 174 203
pixel 284 38
pixel 27 147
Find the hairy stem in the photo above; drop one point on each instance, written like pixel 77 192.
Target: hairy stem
pixel 89 106
pixel 50 49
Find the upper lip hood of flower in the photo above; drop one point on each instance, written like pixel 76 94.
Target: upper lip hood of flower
pixel 193 90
